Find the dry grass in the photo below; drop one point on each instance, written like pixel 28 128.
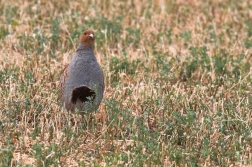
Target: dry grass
pixel 178 83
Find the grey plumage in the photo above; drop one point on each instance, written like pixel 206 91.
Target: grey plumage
pixel 82 83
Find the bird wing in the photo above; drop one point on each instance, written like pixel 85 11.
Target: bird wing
pixel 63 80
pixel 103 81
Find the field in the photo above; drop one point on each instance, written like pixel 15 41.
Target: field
pixel 178 76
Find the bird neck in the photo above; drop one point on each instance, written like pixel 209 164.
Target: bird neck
pixel 83 47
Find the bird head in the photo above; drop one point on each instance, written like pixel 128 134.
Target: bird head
pixel 87 38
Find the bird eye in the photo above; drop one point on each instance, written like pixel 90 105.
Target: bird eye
pixel 85 33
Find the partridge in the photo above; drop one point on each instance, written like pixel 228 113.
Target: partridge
pixel 82 82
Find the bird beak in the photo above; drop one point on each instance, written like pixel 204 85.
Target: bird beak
pixel 91 35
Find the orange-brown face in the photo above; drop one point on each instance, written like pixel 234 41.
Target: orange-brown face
pixel 87 38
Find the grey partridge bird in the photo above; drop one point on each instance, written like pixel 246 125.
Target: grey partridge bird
pixel 82 82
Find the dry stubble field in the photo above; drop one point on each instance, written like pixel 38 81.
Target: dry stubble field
pixel 178 83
